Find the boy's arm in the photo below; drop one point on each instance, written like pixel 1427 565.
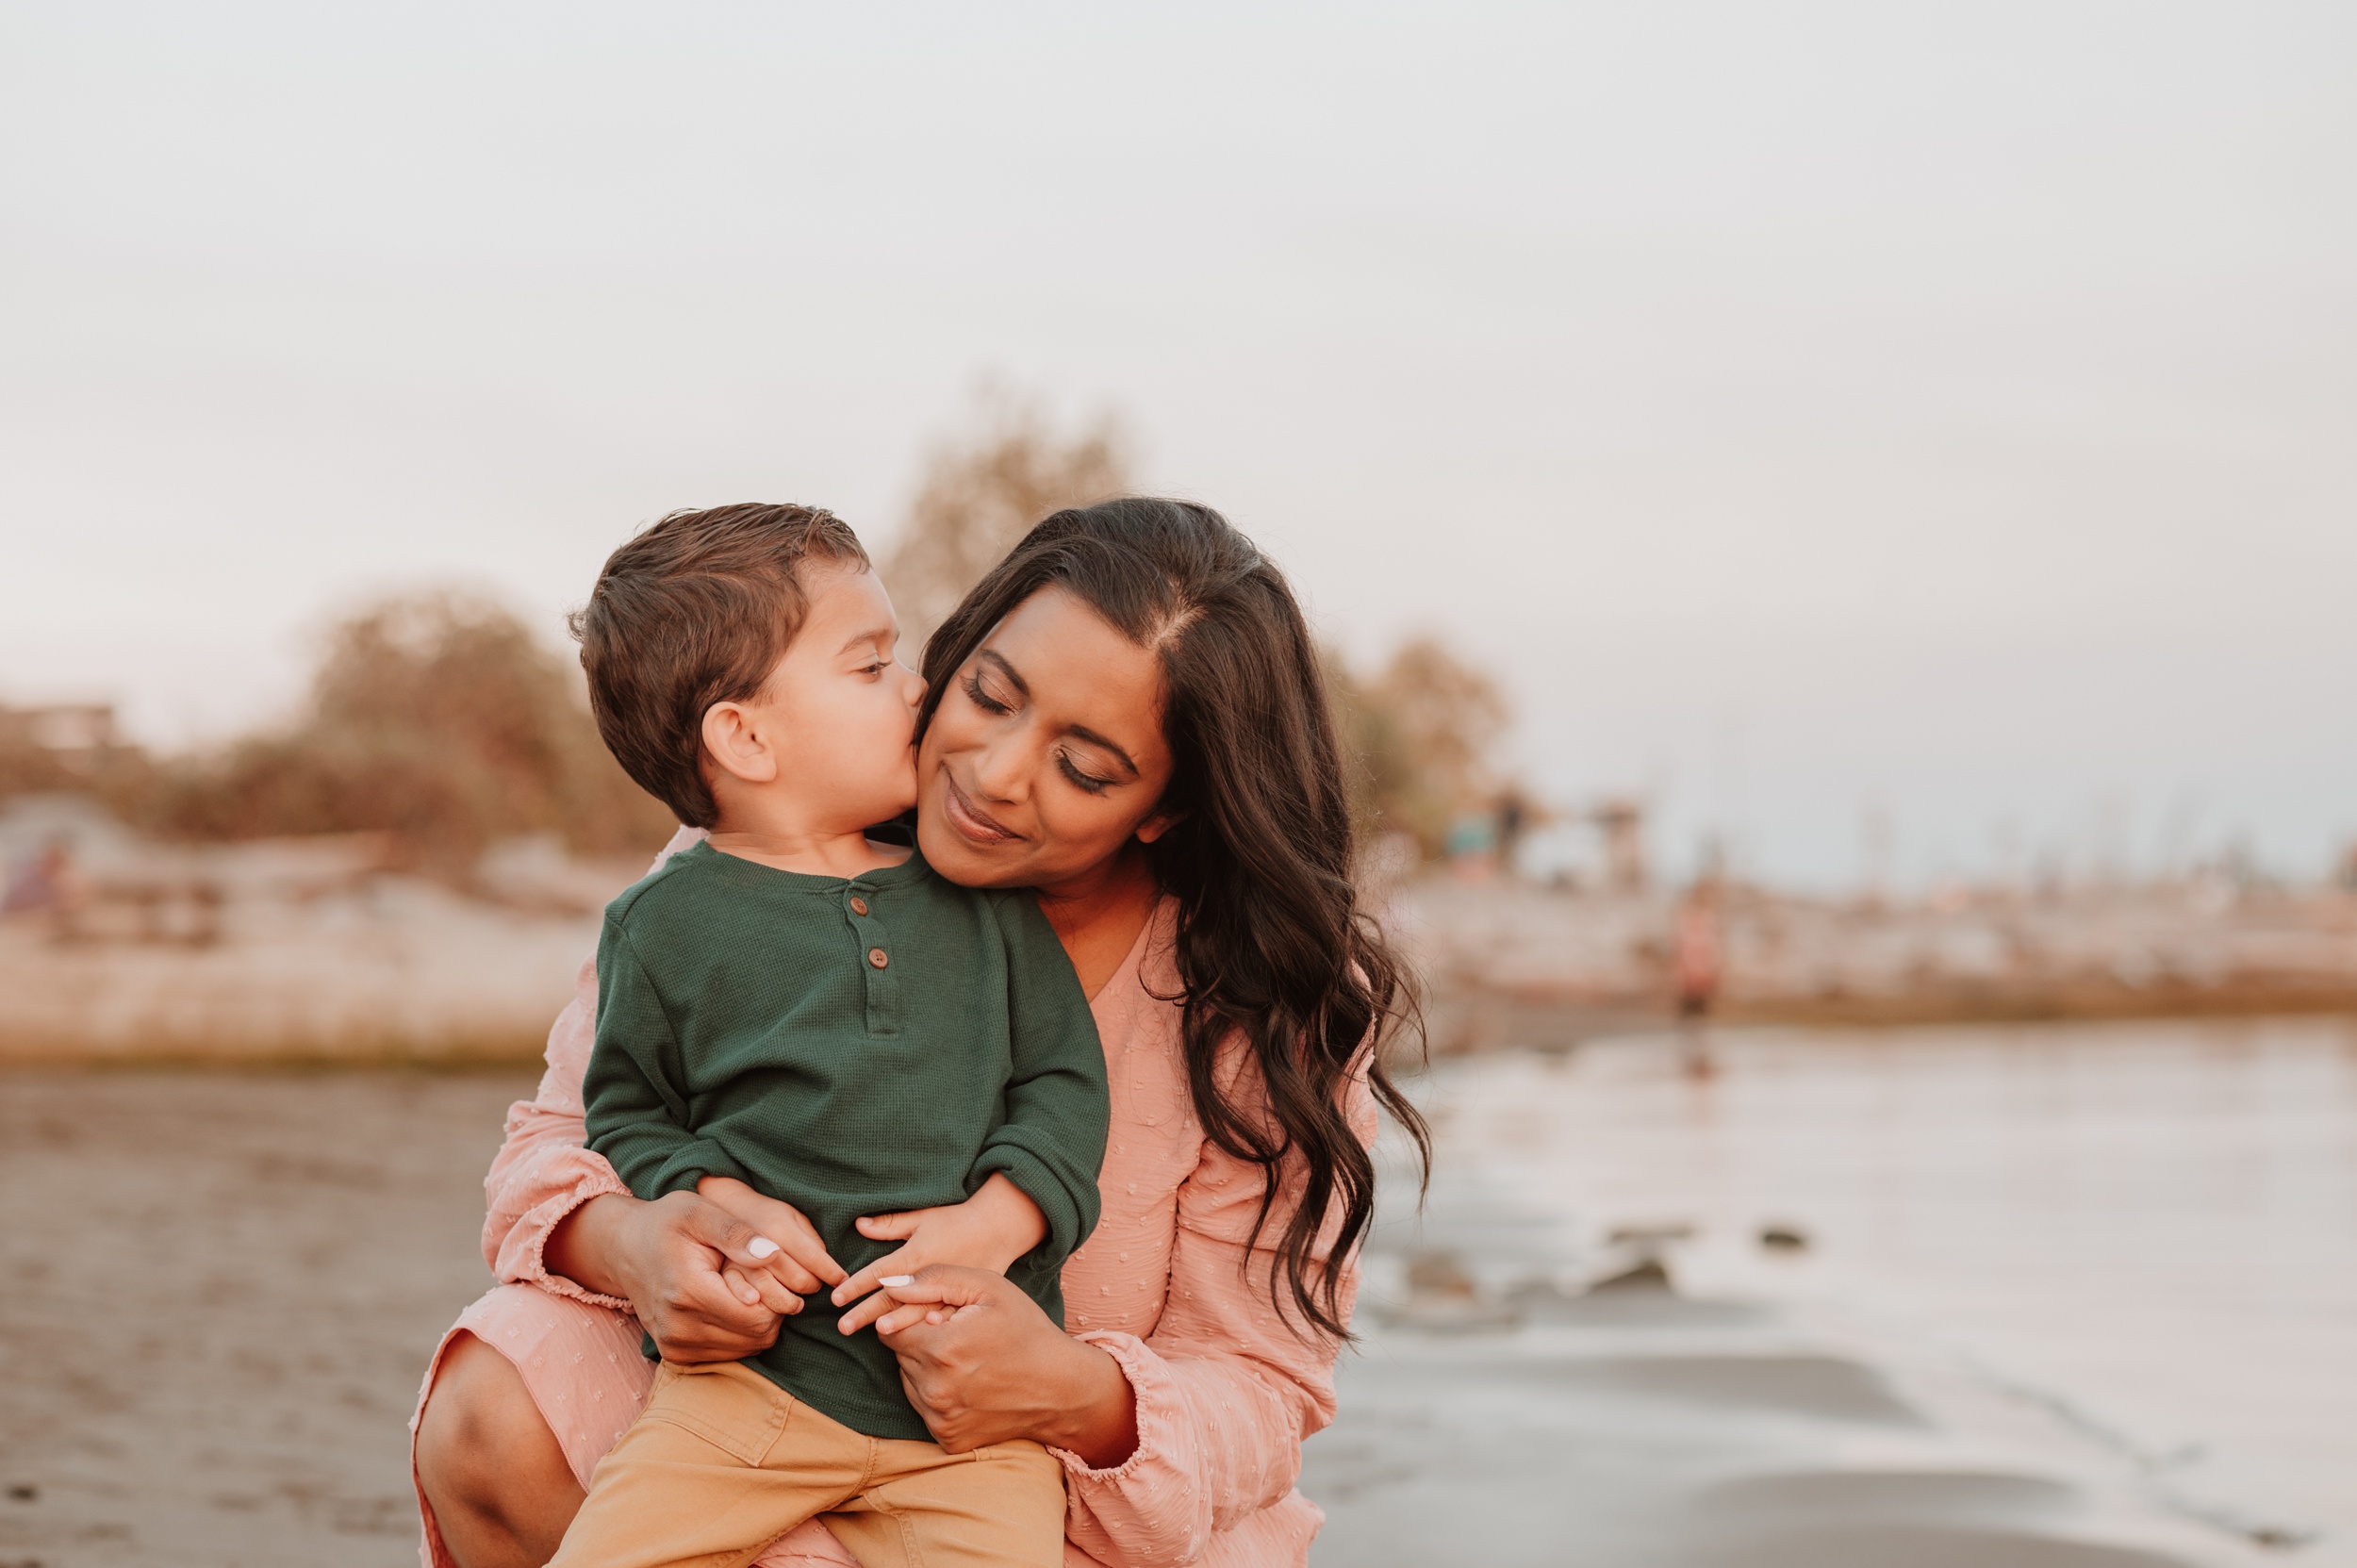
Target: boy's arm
pixel 1053 1142
pixel 635 1092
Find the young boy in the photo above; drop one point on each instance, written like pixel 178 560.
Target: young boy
pixel 797 1007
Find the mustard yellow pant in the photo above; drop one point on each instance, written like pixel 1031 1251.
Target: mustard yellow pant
pixel 723 1460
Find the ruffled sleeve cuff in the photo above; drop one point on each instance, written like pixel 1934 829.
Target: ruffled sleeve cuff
pixel 1150 1508
pixel 522 1258
pixel 1151 1385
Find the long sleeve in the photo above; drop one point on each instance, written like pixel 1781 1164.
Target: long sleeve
pixel 1226 1389
pixel 635 1094
pixel 544 1170
pixel 1053 1139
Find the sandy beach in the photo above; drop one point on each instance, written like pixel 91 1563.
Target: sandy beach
pixel 221 1291
pixel 222 1288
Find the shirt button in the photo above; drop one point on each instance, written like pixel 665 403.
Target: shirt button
pixel 877 957
pixel 859 905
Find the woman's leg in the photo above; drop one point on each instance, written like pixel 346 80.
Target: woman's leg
pixel 497 1480
pixel 524 1397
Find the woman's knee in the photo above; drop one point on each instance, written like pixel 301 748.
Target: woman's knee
pixel 494 1474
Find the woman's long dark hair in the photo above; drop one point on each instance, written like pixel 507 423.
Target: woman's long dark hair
pixel 1271 942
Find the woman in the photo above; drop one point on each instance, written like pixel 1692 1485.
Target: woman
pixel 1127 716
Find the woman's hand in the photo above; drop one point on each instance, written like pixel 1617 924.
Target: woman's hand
pixel 666 1259
pixel 983 1364
pixel 797 1263
pixel 991 1229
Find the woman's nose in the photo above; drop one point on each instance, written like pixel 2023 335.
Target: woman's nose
pixel 998 770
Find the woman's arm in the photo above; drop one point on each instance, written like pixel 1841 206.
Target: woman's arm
pixel 1226 1387
pixel 542 1174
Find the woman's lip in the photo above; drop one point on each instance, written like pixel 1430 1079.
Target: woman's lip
pixel 967 820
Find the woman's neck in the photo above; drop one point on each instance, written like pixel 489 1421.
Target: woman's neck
pixel 1098 915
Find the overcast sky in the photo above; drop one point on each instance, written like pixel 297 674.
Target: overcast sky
pixel 1948 412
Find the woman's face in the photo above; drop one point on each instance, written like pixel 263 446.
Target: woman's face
pixel 1045 756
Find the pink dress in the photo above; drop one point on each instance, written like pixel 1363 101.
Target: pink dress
pixel 1225 1390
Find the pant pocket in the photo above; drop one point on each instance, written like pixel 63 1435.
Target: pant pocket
pixel 734 1409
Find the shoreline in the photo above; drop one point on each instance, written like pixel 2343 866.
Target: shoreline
pixel 1495 1026
pixel 1478 1025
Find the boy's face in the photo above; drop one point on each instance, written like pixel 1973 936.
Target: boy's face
pixel 843 708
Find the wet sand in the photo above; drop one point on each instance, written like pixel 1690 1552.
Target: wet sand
pixel 220 1294
pixel 2080 1294
pixel 1643 1432
pixel 220 1290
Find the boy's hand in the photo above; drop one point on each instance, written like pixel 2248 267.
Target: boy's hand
pixel 991 1229
pixel 798 1263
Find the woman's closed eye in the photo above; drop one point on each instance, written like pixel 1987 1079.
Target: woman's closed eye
pixel 1089 782
pixel 980 698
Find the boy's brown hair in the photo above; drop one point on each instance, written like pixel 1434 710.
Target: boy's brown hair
pixel 695 610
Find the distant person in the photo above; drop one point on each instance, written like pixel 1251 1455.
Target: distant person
pixel 1126 716
pixel 48 884
pixel 1514 818
pixel 801 1009
pixel 1697 963
pixel 1472 846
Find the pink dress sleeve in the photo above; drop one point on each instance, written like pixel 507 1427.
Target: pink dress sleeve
pixel 1226 1389
pixel 542 1172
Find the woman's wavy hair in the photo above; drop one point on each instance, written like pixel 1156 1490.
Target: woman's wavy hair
pixel 1272 942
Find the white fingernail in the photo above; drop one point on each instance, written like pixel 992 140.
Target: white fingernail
pixel 761 1246
pixel 898 1280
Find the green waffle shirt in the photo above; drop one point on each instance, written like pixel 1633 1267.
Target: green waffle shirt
pixel 852 1047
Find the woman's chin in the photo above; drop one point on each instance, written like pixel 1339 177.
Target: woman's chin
pixel 951 854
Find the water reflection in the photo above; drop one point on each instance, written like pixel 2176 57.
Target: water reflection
pixel 1998 1295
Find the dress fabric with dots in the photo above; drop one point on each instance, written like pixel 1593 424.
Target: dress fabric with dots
pixel 1225 1390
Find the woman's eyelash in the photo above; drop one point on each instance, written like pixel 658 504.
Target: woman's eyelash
pixel 980 699
pixel 1089 782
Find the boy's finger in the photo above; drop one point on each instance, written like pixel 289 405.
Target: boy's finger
pixel 889 1228
pixel 867 1313
pixel 918 1287
pixel 778 1294
pixel 731 1237
pixel 760 1288
pixel 801 1243
pixel 894 1262
pixel 783 1267
pixel 899 1318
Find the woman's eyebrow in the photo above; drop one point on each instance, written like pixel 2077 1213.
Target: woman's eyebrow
pixel 997 661
pixel 1079 732
pixel 1082 733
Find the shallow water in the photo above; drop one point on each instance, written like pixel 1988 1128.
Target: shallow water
pixel 2071 1298
pixel 2102 1278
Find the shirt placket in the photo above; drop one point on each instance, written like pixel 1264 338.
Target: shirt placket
pixel 876 959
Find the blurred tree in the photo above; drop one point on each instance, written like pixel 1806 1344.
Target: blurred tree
pixel 1422 733
pixel 118 774
pixel 983 495
pixel 436 718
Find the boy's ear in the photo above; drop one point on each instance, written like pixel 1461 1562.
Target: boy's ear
pixel 737 747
